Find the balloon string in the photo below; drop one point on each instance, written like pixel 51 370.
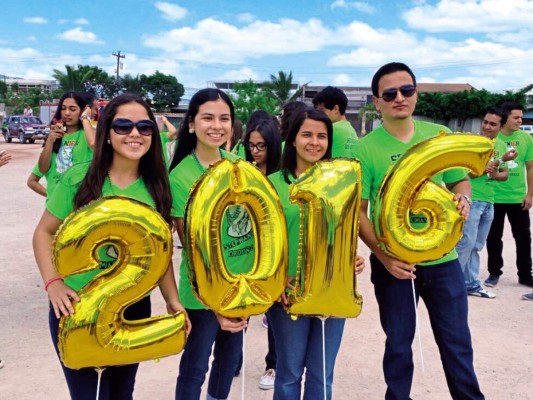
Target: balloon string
pixel 243 362
pixel 418 327
pixel 324 354
pixel 99 371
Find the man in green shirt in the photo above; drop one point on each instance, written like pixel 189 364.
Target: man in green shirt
pixel 476 228
pixel 439 283
pixel 333 102
pixel 513 198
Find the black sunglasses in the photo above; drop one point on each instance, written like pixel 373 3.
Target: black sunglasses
pixel 405 90
pixel 259 146
pixel 123 126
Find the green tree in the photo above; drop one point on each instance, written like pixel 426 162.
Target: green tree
pixel 163 92
pixel 280 87
pixel 132 84
pixel 466 104
pixel 3 89
pixel 98 81
pixel 74 79
pixel 247 98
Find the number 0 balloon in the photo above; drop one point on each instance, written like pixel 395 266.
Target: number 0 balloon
pixel 96 335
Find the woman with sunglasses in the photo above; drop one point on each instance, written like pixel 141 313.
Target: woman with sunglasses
pixel 128 161
pixel 68 143
pixel 299 342
pixel 206 126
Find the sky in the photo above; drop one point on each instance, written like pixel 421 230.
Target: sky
pixel 486 43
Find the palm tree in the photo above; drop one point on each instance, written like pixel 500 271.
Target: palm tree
pixel 280 86
pixel 74 80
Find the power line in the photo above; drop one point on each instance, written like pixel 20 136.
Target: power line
pixel 118 56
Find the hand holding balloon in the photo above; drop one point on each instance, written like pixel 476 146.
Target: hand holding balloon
pixel 60 296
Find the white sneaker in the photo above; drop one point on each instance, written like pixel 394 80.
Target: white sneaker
pixel 480 292
pixel 266 382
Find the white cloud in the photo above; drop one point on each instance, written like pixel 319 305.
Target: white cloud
pixel 78 35
pixel 171 12
pixel 246 18
pixel 239 75
pixel 81 21
pixel 219 42
pixel 354 5
pixel 35 20
pixel 342 80
pixel 470 15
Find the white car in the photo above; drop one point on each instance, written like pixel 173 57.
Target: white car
pixel 527 128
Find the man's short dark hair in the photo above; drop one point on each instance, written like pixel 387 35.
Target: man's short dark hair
pixel 389 69
pixel 499 113
pixel 329 97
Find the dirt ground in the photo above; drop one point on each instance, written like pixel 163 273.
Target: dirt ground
pixel 501 328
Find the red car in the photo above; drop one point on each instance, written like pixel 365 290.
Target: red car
pixel 24 129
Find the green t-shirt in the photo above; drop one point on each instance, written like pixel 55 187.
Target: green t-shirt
pixel 61 204
pixel 378 150
pixel 482 186
pixel 513 190
pixel 74 150
pixel 344 140
pixel 292 215
pixel 236 236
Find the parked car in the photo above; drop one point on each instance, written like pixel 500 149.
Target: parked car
pixel 25 129
pixel 527 128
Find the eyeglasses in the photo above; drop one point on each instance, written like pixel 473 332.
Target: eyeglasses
pixel 123 126
pixel 259 146
pixel 405 90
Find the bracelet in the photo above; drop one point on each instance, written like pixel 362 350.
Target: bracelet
pixel 85 117
pixel 50 281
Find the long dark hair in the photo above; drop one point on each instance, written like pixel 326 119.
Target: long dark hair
pixel 80 100
pixel 289 109
pixel 151 166
pixel 288 159
pixel 270 134
pixel 187 141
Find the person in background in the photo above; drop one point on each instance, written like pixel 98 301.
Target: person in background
pixel 68 141
pixel 28 111
pixel 262 145
pixel 513 198
pixel 333 102
pixel 476 228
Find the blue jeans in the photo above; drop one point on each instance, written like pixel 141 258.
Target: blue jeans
pixel 475 232
pixel 117 383
pixel 442 288
pixel 194 362
pixel 299 346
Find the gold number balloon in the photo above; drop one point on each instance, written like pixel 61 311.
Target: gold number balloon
pixel 408 190
pixel 97 335
pixel 329 196
pixel 224 185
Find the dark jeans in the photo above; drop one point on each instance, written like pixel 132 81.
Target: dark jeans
pixel 443 290
pixel 117 383
pixel 270 358
pixel 194 362
pixel 520 227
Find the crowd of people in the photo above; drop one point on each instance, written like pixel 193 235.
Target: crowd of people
pixel 127 155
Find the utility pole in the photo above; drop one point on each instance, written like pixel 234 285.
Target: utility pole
pixel 118 56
